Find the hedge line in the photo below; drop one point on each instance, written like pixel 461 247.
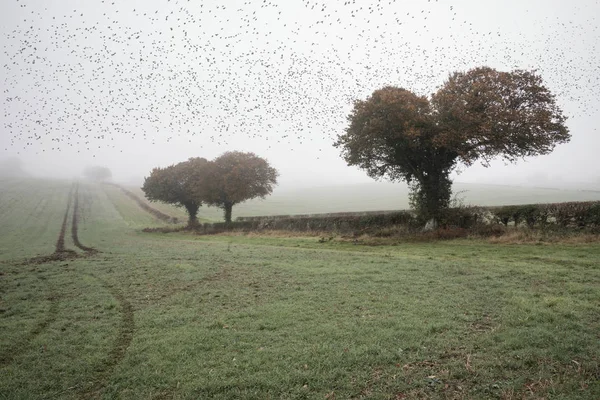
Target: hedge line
pixel 566 215
pixel 319 215
pixel 337 223
pixel 571 214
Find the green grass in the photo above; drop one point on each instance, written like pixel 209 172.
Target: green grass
pixel 189 317
pixel 177 212
pixel 31 213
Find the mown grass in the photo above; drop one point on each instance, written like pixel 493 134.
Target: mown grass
pixel 186 317
pixel 31 212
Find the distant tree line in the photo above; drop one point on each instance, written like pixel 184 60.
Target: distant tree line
pixel 97 173
pixel 229 179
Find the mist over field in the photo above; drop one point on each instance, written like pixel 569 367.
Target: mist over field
pixel 316 196
pixel 292 199
pixel 137 86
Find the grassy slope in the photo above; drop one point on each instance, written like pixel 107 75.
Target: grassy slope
pixel 111 199
pixel 378 196
pixel 31 214
pixel 179 316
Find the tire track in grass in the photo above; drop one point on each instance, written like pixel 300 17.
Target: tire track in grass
pixel 60 248
pixel 127 326
pixel 60 254
pixel 75 226
pixel 92 388
pixel 23 344
pixel 60 242
pixel 119 349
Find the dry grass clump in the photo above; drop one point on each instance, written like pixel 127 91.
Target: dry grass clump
pixel 492 233
pixel 529 236
pixel 273 233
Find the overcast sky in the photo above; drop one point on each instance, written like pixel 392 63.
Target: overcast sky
pixel 141 83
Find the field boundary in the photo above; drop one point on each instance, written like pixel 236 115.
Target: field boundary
pixel 321 215
pixel 579 216
pixel 543 222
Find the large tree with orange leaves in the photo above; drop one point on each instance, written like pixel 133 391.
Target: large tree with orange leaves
pixel 476 115
pixel 235 177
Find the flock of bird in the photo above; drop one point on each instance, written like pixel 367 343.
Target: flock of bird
pixel 85 74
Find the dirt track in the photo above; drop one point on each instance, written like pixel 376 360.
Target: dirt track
pixel 61 253
pixel 127 326
pixel 60 242
pixel 124 337
pixel 75 224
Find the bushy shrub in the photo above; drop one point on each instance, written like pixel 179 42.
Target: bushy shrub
pixel 574 214
pixel 448 233
pixel 463 217
pixel 593 215
pixel 488 230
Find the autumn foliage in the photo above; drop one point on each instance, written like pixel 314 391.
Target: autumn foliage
pixel 235 177
pixel 182 185
pixel 477 115
pixel 230 179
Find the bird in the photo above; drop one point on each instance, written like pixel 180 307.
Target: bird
pixel 270 71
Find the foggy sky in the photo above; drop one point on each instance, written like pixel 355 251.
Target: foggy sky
pixel 137 84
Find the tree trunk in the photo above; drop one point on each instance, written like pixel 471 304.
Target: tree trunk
pixel 431 225
pixel 192 210
pixel 437 197
pixel 430 197
pixel 228 207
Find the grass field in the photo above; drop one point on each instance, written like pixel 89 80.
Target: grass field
pixel 377 196
pixel 178 316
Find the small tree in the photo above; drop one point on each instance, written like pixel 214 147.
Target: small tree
pixel 476 115
pixel 236 177
pixel 97 173
pixel 182 185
